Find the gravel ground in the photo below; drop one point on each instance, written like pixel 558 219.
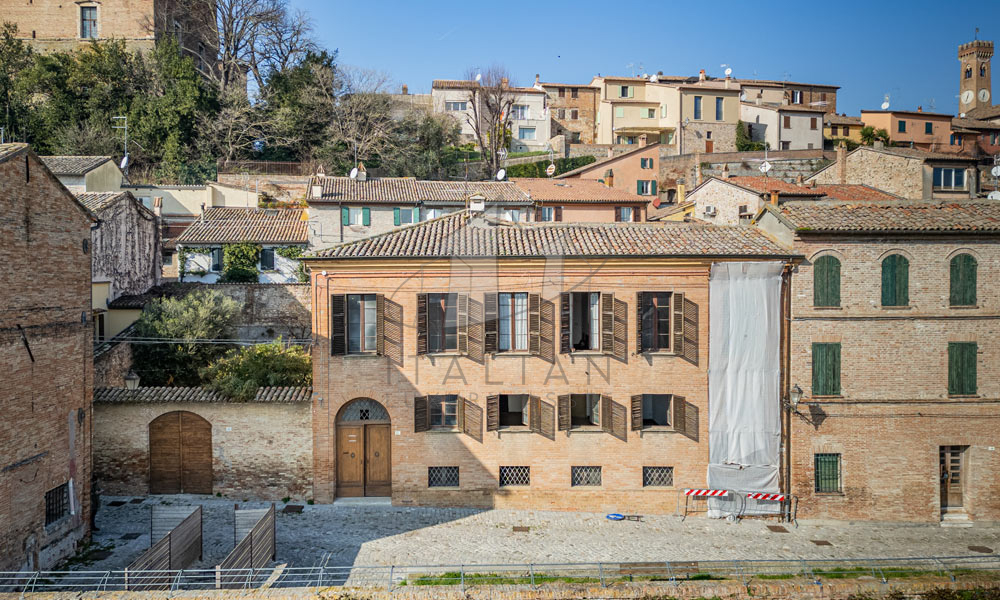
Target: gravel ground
pixel 374 534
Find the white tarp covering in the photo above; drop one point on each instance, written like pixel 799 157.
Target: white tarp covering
pixel 744 419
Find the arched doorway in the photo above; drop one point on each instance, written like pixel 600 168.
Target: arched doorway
pixel 180 454
pixel 364 465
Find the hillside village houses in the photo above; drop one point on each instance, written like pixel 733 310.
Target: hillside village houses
pixel 530 117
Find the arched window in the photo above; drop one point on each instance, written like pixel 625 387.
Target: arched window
pixel 968 72
pixel 963 280
pixel 982 70
pixel 895 280
pixel 826 281
pixel 362 409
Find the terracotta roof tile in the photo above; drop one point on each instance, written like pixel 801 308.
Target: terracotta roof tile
pixel 98 201
pixel 406 190
pixel 585 191
pixel 73 165
pixel 850 192
pixel 835 119
pixel 12 149
pixel 764 185
pixel 459 235
pixel 898 216
pixel 154 395
pixel 234 225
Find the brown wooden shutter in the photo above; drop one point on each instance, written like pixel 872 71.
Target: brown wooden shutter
pixel 678 405
pixel 421 323
pixel 535 413
pixel 621 330
pixel 607 323
pixel 490 323
pixel 548 420
pixel 534 324
pixel 538 213
pixel 564 342
pixel 678 324
pixel 565 418
pixel 606 413
pixel 637 412
pixel 619 421
pixel 640 301
pixel 421 416
pixel 379 324
pixel 547 331
pixel 392 326
pixel 338 324
pixel 462 306
pixel 492 413
pixel 618 214
pixel 558 212
pixel 471 419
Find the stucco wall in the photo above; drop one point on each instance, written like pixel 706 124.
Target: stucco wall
pixel 726 199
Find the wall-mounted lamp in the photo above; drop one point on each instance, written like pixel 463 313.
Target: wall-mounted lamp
pixel 131 381
pixel 795 396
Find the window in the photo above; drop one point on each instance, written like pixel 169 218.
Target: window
pixel 442 322
pixel 442 476
pixel 515 476
pixel 982 70
pixel 643 187
pixel 355 215
pixel 663 111
pixel 656 410
pixel 512 316
pixel 525 133
pixel 561 113
pixel 574 93
pixel 99 327
pixel 968 72
pixel 362 323
pixel 267 259
pixel 545 213
pixel 949 178
pixel 827 473
pixel 826 281
pixel 619 112
pixel 697 108
pixel 456 106
pixel 562 92
pixel 56 504
pixel 833 131
pixel 520 112
pixel 786 145
pixel 625 91
pixel 963 280
pixel 657 476
pixel 216 254
pixel 847 130
pixel 655 311
pixel 431 213
pixel 585 476
pixel 574 114
pixel 584 410
pixel 796 97
pixel 787 122
pixel 708 135
pixel 574 136
pixel 443 411
pixel 168 259
pixel 88 22
pixel 902 126
pixel 962 368
pixel 929 128
pixel 585 320
pixel 624 214
pixel 812 123
pixel 405 215
pixel 513 410
pixel 895 281
pixel 826 369
pixel 649 113
pixel 513 214
pixel 718 109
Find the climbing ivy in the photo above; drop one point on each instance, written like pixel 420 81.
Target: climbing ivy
pixel 239 263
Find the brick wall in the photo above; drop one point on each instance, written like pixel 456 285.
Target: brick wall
pixel 895 174
pixel 46 429
pixel 259 450
pixel 112 364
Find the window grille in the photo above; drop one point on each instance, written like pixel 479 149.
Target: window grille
pixel 512 476
pixel 442 476
pixel 364 409
pixel 56 503
pixel 585 476
pixel 657 476
pixel 827 473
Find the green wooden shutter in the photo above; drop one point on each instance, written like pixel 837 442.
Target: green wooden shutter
pixel 963 280
pixel 638 187
pixel 366 216
pixel 962 368
pixel 826 281
pixel 826 369
pixel 395 216
pixel 416 214
pixel 652 186
pixel 895 281
pixel 345 215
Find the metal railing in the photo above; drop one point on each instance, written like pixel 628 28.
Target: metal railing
pixel 984 568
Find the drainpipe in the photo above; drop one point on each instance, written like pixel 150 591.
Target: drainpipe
pixel 785 481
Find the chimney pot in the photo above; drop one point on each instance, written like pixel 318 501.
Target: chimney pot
pixel 920 109
pixel 774 197
pixel 406 90
pixel 611 152
pixel 701 75
pixel 609 178
pixel 798 179
pixel 537 81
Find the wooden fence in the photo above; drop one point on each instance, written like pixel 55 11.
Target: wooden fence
pixel 174 547
pixel 253 551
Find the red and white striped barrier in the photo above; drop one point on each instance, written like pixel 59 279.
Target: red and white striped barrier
pixel 712 493
pixel 765 496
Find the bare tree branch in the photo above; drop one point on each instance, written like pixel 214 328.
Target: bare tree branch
pixel 491 100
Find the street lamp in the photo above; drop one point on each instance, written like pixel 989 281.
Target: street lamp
pixel 131 381
pixel 795 395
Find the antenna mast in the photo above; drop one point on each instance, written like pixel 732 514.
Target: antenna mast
pixel 124 126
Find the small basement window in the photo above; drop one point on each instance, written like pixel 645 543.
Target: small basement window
pixel 657 476
pixel 515 476
pixel 442 476
pixel 585 476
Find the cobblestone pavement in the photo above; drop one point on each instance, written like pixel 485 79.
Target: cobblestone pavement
pixel 382 535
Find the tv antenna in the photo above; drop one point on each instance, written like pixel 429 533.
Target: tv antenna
pixel 631 66
pixel 124 125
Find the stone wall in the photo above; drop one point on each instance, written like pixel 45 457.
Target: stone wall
pixel 598 151
pixel 898 175
pixel 270 310
pixel 261 450
pixel 696 136
pixel 112 364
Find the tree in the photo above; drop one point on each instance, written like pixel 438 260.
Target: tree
pixel 491 100
pixel 200 315
pixel 870 135
pixel 241 371
pixel 420 145
pixel 15 58
pixel 362 122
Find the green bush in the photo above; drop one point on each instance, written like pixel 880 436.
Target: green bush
pixel 240 372
pixel 239 263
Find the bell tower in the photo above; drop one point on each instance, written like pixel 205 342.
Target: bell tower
pixel 975 90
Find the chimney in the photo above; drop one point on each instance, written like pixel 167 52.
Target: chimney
pixel 697 168
pixel 879 144
pixel 701 75
pixel 609 178
pixel 642 140
pixel 537 81
pixel 406 90
pixel 504 82
pixel 842 162
pixel 659 73
pixel 611 152
pixel 774 197
pixel 320 171
pixel 798 179
pixel 202 212
pixel 158 206
pixel 725 171
pixel 920 109
pixel 362 173
pixel 812 184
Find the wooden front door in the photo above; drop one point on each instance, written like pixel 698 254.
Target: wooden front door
pixel 180 454
pixel 709 146
pixel 363 460
pixel 952 459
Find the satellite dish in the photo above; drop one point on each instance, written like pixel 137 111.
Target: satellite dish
pixel 885 105
pixel 729 71
pixel 994 196
pixel 995 171
pixel 550 170
pixel 354 173
pixel 479 76
pixel 501 174
pixel 654 79
pixel 124 162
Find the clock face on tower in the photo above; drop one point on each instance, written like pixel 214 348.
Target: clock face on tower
pixel 984 95
pixel 967 97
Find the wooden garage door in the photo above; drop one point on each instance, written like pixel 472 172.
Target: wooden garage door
pixel 180 454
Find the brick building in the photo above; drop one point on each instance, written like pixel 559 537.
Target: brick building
pixel 467 361
pixel 893 329
pixel 635 171
pixel 790 93
pixel 46 347
pixel 573 110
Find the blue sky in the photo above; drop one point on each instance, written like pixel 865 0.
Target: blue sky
pixel 872 48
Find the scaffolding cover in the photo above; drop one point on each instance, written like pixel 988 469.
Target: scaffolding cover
pixel 744 420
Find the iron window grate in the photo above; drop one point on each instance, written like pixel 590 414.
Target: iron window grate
pixel 442 476
pixel 513 476
pixel 585 476
pixel 827 473
pixel 56 503
pixel 657 476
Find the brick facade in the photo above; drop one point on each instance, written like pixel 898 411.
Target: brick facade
pixel 627 170
pixel 46 350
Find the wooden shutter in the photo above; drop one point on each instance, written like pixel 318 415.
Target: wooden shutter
pixel 547 331
pixel 565 417
pixel 564 341
pixel 679 413
pixel 534 324
pixel 490 323
pixel 462 308
pixel 558 214
pixel 678 322
pixel 391 320
pixel 338 324
pixel 963 280
pixel 535 413
pixel 421 415
pixel 621 330
pixel 619 421
pixel 962 368
pixel 618 214
pixel 471 419
pixel 379 324
pixel 638 187
pixel 640 301
pixel 826 369
pixel 345 215
pixel 492 413
pixel 607 322
pixel 548 420
pixel 826 281
pixel 606 413
pixel 538 213
pixel 366 216
pixel 637 412
pixel 895 281
pixel 395 216
pixel 421 323
pixel 652 185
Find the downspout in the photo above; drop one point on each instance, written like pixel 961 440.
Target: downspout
pixel 785 478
